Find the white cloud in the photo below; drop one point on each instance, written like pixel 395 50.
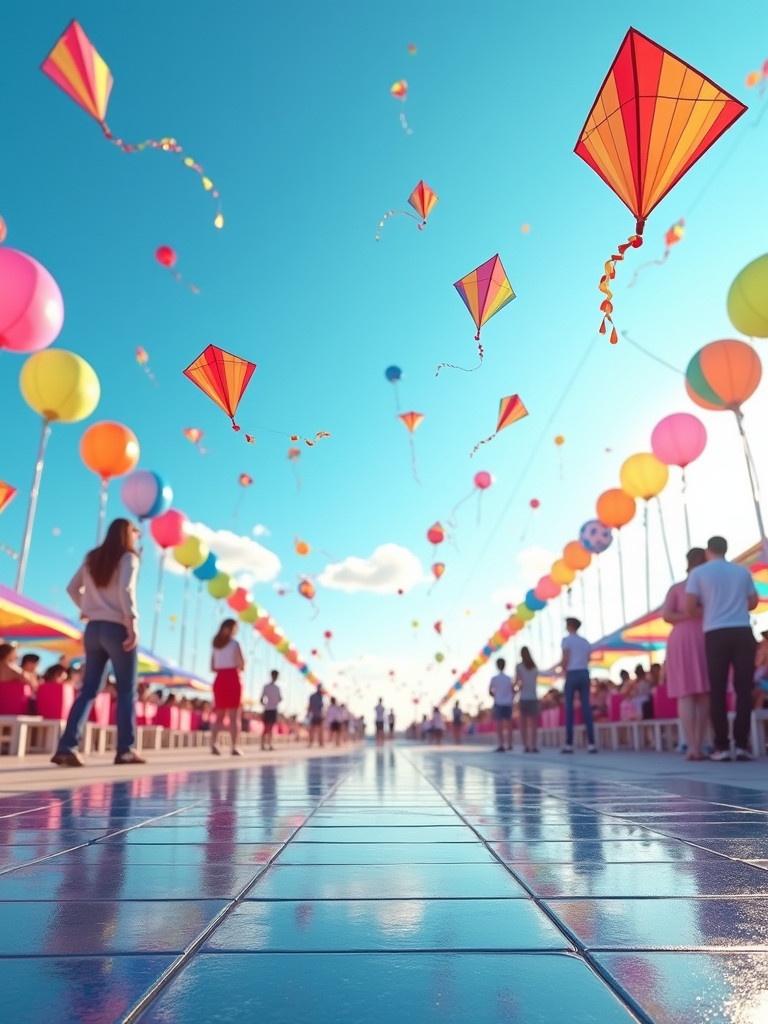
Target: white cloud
pixel 260 530
pixel 388 569
pixel 241 556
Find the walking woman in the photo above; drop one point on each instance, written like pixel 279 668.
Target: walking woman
pixel 526 675
pixel 685 668
pixel 227 662
pixel 104 589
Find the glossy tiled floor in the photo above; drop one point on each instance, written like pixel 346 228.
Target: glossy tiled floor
pixel 402 885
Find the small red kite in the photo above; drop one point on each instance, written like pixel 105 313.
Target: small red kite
pixel 511 409
pixel 423 200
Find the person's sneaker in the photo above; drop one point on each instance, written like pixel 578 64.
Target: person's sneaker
pixel 591 749
pixel 66 759
pixel 567 749
pixel 740 754
pixel 720 755
pixel 499 750
pixel 129 757
pixel 215 750
pixel 535 750
pixel 236 752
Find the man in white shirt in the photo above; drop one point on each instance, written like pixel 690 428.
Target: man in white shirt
pixel 575 663
pixel 380 713
pixel 270 699
pixel 724 594
pixel 501 691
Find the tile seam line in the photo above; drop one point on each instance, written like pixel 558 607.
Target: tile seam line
pixel 141 1005
pixel 582 952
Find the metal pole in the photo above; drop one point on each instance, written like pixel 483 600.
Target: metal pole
pixel 647 559
pixel 665 542
pixel 102 509
pixel 196 627
pixel 158 598
pixel 752 483
pixel 32 507
pixel 621 579
pixel 600 596
pixel 685 513
pixel 184 609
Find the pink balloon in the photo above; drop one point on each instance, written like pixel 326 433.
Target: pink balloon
pixel 168 529
pixel 506 630
pixel 546 589
pixel 483 480
pixel 678 439
pixel 31 306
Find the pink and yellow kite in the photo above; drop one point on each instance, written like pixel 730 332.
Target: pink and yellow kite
pixel 484 292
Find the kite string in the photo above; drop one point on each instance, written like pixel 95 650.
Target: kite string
pixel 652 355
pixel 392 213
pixel 452 366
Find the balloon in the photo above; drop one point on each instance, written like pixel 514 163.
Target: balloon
pixel 483 480
pixel 560 573
pixel 301 547
pixel 748 299
pixel 524 613
pixel 595 536
pixel 191 553
pixel 249 614
pixel 209 569
pixel 516 623
pixel 546 589
pixel 576 556
pixel 534 503
pixel 436 534
pixel 222 585
pixel 723 375
pixel 643 476
pixel 307 589
pixel 31 306
pixel 168 529
pixel 240 599
pixel 533 602
pixel 439 657
pixel 165 256
pixel 146 495
pixel 328 634
pixel 559 440
pixel 615 508
pixel 109 449
pixel 438 569
pixel 393 373
pixel 3 231
pixel 59 385
pixel 679 439
pixel 415 624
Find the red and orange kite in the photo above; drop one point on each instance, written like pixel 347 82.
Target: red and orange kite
pixel 423 200
pixel 412 421
pixel 511 409
pixel 653 118
pixel 224 378
pixel 78 68
pixel 484 292
pixel 675 234
pixel 7 494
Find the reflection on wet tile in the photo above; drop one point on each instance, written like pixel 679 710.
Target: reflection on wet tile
pixel 714 830
pixel 396 881
pixel 184 853
pixel 739 849
pixel 440 925
pixel 683 988
pixel 91 926
pixel 201 834
pixel 588 830
pixel 613 851
pixel 433 988
pixel 693 878
pixel 386 853
pixel 86 990
pixel 666 924
pixel 374 834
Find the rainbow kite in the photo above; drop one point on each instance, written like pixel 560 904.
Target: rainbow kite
pixel 511 409
pixel 484 292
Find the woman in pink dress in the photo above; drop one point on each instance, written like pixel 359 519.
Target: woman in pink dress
pixel 686 673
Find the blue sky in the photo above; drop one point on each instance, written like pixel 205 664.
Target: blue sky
pixel 287 106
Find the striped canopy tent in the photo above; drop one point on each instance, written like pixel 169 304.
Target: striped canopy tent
pixel 25 622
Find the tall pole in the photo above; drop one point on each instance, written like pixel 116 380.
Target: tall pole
pixel 665 541
pixel 32 507
pixel 685 512
pixel 158 598
pixel 102 509
pixel 184 610
pixel 752 472
pixel 196 627
pixel 621 579
pixel 600 596
pixel 647 559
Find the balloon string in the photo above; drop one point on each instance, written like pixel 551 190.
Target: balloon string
pixel 392 213
pixel 606 306
pixel 177 276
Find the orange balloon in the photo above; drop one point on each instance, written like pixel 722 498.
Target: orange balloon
pixel 515 623
pixel 576 556
pixel 562 573
pixel 723 374
pixel 301 547
pixel 109 449
pixel 615 508
pixel 643 476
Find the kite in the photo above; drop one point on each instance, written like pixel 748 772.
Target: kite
pixel 484 292
pixel 437 571
pixel 167 257
pixel 758 78
pixel 195 436
pixel 413 49
pixel 511 409
pixel 223 377
pixel 438 627
pixel 81 72
pixel 142 358
pixel 412 420
pixel 423 200
pixel 307 589
pixel 7 494
pixel 294 454
pixel 399 90
pixel 672 237
pixel 3 231
pixel 653 118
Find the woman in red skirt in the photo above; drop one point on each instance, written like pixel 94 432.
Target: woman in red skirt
pixel 227 662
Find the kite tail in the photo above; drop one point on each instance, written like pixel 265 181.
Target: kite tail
pixel 177 277
pixel 650 263
pixel 452 366
pixel 310 444
pixel 606 306
pixel 414 467
pixel 477 446
pixel 392 213
pixel 406 127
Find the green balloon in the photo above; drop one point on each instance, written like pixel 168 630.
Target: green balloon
pixel 748 299
pixel 250 614
pixel 221 586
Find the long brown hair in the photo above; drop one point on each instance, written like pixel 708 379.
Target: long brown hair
pixel 226 629
pixel 525 657
pixel 102 562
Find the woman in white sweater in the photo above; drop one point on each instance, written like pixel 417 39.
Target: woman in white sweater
pixel 104 589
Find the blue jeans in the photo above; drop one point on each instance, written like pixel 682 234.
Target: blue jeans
pixel 577 681
pixel 104 643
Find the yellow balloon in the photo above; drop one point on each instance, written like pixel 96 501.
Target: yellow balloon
pixel 250 614
pixel 524 612
pixel 561 573
pixel 191 553
pixel 221 586
pixel 59 385
pixel 643 476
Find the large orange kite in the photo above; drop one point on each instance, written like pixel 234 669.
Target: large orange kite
pixel 653 118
